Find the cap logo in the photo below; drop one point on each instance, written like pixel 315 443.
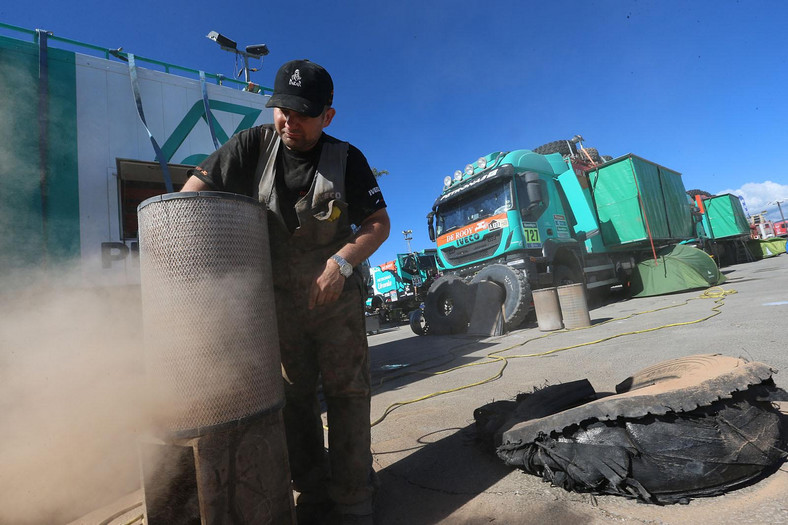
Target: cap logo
pixel 295 80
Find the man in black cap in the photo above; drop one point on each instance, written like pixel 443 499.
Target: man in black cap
pixel 326 215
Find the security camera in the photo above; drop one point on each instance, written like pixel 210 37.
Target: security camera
pixel 221 40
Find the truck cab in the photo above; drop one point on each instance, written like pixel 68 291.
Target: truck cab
pixel 506 208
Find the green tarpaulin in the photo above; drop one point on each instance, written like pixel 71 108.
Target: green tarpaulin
pixel 638 201
pixel 677 268
pixel 763 248
pixel 724 217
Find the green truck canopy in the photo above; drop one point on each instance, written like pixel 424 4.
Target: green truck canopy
pixel 677 268
pixel 638 201
pixel 724 217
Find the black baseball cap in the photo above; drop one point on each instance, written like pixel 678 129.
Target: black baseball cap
pixel 302 86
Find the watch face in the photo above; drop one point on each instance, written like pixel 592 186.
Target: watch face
pixel 345 267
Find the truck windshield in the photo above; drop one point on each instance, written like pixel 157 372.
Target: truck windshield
pixel 487 201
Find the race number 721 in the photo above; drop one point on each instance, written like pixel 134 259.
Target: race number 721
pixel 531 234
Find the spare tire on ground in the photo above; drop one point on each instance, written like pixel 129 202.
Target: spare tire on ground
pixel 518 299
pixel 694 426
pixel 447 307
pixel 417 322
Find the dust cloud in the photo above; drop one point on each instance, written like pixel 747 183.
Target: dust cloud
pixel 75 397
pixel 71 397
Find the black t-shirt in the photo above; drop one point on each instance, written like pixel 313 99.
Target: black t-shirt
pixel 232 168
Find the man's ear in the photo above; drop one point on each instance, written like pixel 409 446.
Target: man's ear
pixel 329 116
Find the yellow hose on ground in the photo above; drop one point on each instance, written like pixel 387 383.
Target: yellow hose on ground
pixel 717 293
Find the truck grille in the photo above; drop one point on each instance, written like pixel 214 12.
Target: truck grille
pixel 457 256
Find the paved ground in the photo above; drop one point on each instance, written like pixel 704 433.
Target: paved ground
pixel 426 389
pixel 433 471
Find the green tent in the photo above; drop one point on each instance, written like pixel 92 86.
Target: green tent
pixel 763 248
pixel 677 268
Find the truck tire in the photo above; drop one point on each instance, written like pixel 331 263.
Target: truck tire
pixel 377 302
pixel 564 274
pixel 593 153
pixel 417 322
pixel 517 302
pixel 564 147
pixel 447 306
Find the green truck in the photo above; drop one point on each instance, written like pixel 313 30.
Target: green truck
pixel 398 287
pixel 721 227
pixel 559 214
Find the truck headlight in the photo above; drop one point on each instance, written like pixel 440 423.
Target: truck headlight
pixel 482 163
pixel 469 169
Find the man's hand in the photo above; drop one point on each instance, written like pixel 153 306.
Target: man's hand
pixel 327 286
pixel 328 283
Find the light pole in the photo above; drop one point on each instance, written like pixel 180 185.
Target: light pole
pixel 408 237
pixel 253 51
pixel 781 209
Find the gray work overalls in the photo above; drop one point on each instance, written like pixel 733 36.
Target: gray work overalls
pixel 328 340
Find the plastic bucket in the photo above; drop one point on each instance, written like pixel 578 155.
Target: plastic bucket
pixel 574 306
pixel 548 309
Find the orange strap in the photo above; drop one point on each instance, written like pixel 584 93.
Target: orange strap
pixel 643 212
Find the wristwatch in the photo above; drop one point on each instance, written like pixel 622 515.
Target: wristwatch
pixel 345 268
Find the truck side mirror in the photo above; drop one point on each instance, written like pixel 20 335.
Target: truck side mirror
pixel 431 226
pixel 534 189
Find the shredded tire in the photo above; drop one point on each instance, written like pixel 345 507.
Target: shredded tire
pixel 689 427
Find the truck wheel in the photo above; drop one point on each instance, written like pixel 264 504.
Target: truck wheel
pixel 563 275
pixel 447 306
pixel 517 302
pixel 417 322
pixel 593 153
pixel 564 147
pixel 377 302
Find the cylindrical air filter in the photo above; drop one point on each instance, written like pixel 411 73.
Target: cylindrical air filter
pixel 548 309
pixel 211 341
pixel 574 307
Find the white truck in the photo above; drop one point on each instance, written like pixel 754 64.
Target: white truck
pixel 77 158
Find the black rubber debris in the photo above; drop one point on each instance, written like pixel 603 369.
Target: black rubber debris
pixel 690 427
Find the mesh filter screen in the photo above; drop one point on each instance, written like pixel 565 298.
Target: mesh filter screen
pixel 211 343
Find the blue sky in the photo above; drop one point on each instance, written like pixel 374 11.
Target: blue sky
pixel 423 88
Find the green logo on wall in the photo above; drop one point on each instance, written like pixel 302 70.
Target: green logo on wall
pixel 197 113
